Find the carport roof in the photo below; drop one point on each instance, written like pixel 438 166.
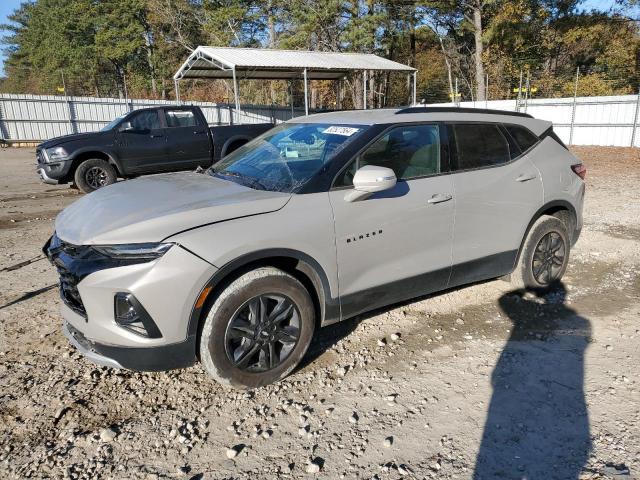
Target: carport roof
pixel 262 63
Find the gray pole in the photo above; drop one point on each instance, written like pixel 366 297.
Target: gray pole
pixel 573 109
pixel 519 93
pixel 635 121
pixel 126 92
pixel 176 85
pixel 306 95
pixel 415 82
pixel 72 124
pixel 526 93
pixel 364 91
pixel 455 98
pixel 486 92
pixel 235 93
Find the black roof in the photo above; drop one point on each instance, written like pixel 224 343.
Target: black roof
pixel 461 110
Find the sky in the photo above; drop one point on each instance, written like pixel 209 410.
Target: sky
pixel 8 6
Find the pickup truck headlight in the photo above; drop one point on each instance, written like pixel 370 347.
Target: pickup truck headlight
pixel 134 251
pixel 56 154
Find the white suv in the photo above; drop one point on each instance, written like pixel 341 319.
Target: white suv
pixel 317 220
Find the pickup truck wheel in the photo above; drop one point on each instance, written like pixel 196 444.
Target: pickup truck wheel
pixel 544 256
pixel 258 329
pixel 93 174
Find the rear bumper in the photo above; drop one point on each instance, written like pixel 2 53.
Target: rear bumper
pixel 144 359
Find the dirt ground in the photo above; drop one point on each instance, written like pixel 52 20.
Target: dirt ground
pixel 478 382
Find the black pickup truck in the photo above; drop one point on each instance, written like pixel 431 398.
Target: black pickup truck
pixel 149 140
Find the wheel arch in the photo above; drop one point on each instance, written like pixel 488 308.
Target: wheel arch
pixel 237 140
pixel 560 209
pixel 88 154
pixel 298 264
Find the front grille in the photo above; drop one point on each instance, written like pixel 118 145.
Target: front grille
pixel 40 157
pixel 69 290
pixel 68 260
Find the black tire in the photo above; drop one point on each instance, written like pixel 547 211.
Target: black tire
pixel 234 328
pixel 94 173
pixel 544 256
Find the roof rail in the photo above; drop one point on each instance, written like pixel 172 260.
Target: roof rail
pixel 461 110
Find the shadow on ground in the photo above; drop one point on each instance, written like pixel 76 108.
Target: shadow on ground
pixel 537 425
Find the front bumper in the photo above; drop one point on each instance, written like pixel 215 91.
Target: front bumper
pixel 149 359
pixel 52 173
pixel 44 176
pixel 167 288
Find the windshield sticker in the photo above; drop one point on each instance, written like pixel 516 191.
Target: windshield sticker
pixel 344 131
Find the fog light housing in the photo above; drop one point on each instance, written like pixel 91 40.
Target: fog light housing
pixel 130 314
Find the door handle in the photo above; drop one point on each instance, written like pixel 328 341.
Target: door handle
pixel 525 177
pixel 439 198
pixel 158 135
pixel 199 132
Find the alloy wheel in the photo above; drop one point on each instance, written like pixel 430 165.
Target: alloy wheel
pixel 96 177
pixel 548 258
pixel 262 333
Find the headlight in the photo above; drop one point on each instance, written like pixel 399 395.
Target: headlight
pixel 56 154
pixel 134 251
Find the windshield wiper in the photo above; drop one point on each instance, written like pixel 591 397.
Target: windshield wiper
pixel 252 182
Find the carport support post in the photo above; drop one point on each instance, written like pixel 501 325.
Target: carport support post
pixel 306 95
pixel 364 89
pixel 176 85
pixel 415 83
pixel 235 93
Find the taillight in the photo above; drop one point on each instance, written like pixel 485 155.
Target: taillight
pixel 580 170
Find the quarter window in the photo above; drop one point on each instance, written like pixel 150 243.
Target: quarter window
pixel 410 151
pixel 180 118
pixel 523 137
pixel 480 145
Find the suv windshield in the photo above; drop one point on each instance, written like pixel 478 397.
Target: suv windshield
pixel 287 156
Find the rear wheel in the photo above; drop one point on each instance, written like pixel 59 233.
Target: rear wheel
pixel 545 254
pixel 258 329
pixel 93 174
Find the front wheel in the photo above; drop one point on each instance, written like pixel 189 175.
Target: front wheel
pixel 258 329
pixel 93 174
pixel 544 256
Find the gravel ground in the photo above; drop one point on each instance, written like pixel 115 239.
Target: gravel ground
pixel 478 382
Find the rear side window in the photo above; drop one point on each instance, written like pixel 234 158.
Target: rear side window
pixel 479 145
pixel 180 118
pixel 523 137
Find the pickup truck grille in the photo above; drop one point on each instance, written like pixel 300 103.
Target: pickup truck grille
pixel 39 157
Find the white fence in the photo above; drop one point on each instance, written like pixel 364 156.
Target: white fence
pixel 611 120
pixel 25 118
pixel 607 121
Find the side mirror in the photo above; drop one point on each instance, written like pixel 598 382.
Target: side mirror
pixel 369 180
pixel 125 127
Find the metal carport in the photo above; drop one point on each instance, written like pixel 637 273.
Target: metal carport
pixel 257 63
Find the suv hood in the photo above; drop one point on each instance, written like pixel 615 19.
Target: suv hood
pixel 153 208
